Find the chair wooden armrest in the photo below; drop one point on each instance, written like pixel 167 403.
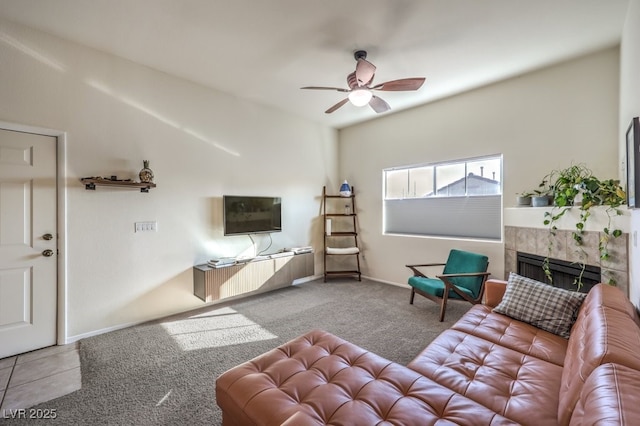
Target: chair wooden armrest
pixel 426 264
pixel 451 286
pixel 466 274
pixel 494 291
pixel 417 273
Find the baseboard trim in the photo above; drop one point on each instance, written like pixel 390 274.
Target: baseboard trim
pixel 73 339
pixel 386 282
pixel 306 279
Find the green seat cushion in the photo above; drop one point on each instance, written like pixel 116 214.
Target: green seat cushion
pixel 435 287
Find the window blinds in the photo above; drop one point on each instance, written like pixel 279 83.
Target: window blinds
pixel 463 217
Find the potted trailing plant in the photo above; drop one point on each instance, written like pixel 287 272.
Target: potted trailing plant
pixel 576 186
pixel 570 183
pixel 540 200
pixel 541 196
pixel 524 198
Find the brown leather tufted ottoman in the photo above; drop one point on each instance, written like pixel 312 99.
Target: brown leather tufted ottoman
pixel 319 379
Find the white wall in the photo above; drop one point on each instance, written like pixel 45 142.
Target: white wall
pixel 539 121
pixel 201 144
pixel 629 108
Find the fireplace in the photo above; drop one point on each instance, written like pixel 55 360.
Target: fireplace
pixel 563 273
pixel 524 232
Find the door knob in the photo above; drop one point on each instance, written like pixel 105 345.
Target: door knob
pixel 47 253
pixel 47 237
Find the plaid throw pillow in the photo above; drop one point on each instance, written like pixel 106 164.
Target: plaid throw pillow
pixel 541 305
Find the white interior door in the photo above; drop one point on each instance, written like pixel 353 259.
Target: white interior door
pixel 28 242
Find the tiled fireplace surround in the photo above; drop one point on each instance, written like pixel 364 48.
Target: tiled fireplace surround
pixel 525 232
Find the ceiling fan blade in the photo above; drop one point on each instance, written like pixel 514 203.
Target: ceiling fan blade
pixel 379 105
pixel 325 88
pixel 336 106
pixel 364 72
pixel 399 85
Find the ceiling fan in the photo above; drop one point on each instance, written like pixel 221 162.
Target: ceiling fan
pixel 360 89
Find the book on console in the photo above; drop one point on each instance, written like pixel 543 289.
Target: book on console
pixel 301 250
pixel 220 265
pixel 221 262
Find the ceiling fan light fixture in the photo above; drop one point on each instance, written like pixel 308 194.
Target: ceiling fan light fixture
pixel 360 97
pixel 360 89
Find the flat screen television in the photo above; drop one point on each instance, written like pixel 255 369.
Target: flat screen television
pixel 251 215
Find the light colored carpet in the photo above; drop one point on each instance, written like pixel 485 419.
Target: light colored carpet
pixel 164 372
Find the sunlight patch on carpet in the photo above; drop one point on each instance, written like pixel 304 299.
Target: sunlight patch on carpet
pixel 215 329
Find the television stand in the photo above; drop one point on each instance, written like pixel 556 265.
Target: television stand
pixel 256 276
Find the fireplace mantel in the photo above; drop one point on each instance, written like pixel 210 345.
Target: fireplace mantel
pixel 533 217
pixel 525 231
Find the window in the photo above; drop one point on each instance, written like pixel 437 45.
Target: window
pixel 409 182
pixel 461 198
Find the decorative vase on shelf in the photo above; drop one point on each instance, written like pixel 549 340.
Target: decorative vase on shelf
pixel 146 174
pixel 345 189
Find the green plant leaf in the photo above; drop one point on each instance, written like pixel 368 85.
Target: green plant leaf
pixel 592 185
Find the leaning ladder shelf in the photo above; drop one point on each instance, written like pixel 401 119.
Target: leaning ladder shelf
pixel 340 235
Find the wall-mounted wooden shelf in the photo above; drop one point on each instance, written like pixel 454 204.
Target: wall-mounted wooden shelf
pixel 91 183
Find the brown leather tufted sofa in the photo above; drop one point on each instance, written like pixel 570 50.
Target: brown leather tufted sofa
pixel 488 369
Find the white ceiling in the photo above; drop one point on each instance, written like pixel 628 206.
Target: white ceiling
pixel 265 50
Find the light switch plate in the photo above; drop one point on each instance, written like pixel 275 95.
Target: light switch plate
pixel 146 226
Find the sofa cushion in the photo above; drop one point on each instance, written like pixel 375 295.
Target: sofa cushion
pixel 612 297
pixel 519 387
pixel 609 397
pixel 541 305
pixel 494 292
pixel 600 335
pixel 505 331
pixel 332 381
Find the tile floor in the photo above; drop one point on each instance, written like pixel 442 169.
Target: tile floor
pixel 39 376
